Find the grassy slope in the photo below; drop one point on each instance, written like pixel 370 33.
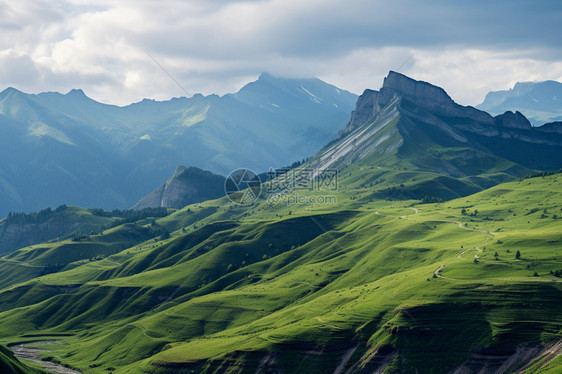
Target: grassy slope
pixel 10 364
pixel 310 286
pixel 60 225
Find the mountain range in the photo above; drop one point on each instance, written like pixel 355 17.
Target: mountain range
pixel 434 248
pixel 69 149
pixel 540 102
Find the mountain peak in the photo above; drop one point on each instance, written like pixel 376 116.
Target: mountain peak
pixel 424 95
pixel 10 91
pixel 180 170
pixel 538 101
pixel 420 92
pixel 188 185
pixel 76 92
pixel 513 120
pixel 265 75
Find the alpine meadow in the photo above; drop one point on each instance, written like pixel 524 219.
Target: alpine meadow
pixel 286 225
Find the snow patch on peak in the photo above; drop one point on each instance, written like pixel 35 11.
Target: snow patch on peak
pixel 313 97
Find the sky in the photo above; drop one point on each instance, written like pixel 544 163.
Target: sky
pixel 120 52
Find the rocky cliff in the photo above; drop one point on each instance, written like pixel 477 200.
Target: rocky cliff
pixel 186 186
pixel 432 105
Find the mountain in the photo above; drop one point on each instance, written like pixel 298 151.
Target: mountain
pixel 454 150
pixel 541 102
pixel 357 266
pixel 69 149
pixel 186 186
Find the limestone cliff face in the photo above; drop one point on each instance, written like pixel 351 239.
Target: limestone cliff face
pixel 432 105
pixel 406 114
pixel 432 98
pixel 367 107
pixel 186 186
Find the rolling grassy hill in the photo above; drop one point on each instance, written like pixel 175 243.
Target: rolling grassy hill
pixel 354 286
pixel 65 222
pixel 428 252
pixel 10 364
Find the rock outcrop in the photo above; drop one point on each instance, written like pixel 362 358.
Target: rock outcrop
pixel 513 120
pixel 187 186
pixel 422 94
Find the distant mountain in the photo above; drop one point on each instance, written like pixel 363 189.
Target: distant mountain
pixel 186 186
pixel 328 280
pixel 540 102
pixel 65 222
pixel 69 149
pixel 454 150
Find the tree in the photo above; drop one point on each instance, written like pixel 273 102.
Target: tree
pixel 518 255
pixel 536 274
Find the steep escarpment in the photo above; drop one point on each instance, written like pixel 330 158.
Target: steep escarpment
pixel 186 186
pixel 428 115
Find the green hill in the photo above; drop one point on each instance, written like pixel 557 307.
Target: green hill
pixel 428 252
pixel 10 364
pixel 65 222
pixel 366 288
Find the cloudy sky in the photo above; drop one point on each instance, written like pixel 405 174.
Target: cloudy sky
pixel 215 46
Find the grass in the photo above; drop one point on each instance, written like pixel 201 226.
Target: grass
pixel 10 364
pixel 305 285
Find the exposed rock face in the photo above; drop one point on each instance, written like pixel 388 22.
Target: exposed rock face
pixel 367 106
pixel 408 114
pixel 421 93
pixel 187 186
pixel 431 104
pixel 432 98
pixel 513 120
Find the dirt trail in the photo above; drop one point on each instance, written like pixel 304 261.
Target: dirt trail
pixel 470 249
pixel 438 273
pixel 459 224
pixel 30 352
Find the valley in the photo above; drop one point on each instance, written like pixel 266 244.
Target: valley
pixel 349 274
pixel 426 244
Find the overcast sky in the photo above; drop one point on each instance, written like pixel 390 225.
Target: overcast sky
pixel 216 46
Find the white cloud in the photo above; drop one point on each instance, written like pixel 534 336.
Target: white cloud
pixel 216 46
